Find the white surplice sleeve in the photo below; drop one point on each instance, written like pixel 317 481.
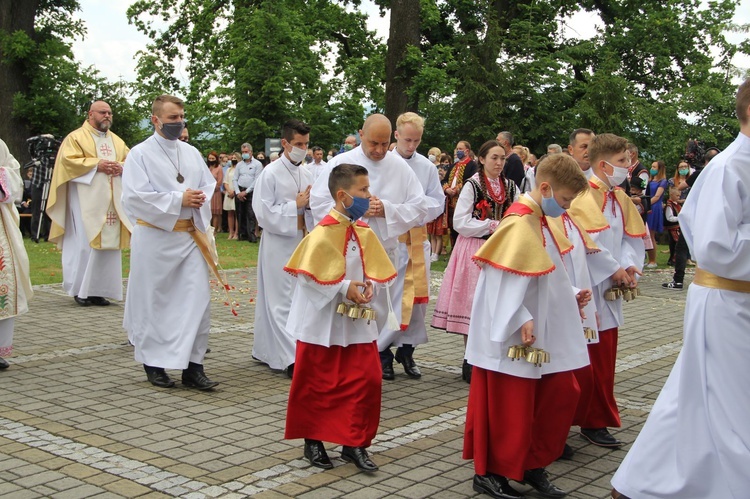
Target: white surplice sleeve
pixel 402 216
pixel 320 295
pixel 498 309
pixel 142 201
pixel 276 217
pixel 463 221
pixel 10 168
pixel 321 200
pixel 632 252
pixel 435 198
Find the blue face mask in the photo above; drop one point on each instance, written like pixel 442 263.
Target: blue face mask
pixel 460 155
pixel 358 207
pixel 550 207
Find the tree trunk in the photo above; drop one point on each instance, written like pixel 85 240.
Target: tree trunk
pixel 404 31
pixel 14 16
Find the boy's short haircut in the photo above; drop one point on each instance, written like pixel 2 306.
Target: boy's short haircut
pixel 605 145
pixel 673 189
pixel 342 177
pixel 561 171
pixel 410 118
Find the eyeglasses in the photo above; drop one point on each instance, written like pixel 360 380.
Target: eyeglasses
pixel 105 113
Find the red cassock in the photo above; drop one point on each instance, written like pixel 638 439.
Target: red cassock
pixel 335 394
pixel 598 407
pixel 515 424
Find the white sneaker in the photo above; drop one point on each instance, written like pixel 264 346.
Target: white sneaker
pixel 650 266
pixel 434 257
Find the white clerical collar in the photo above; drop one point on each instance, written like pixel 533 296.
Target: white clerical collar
pixel 289 161
pixel 165 142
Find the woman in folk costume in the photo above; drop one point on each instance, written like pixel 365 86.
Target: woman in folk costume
pixel 15 286
pixel 336 266
pixel 454 180
pixel 480 206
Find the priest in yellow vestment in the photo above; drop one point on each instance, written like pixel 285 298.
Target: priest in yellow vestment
pixel 88 222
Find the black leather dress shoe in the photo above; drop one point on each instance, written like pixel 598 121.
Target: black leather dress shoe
pixel 290 371
pixel 4 363
pixel 410 367
pixel 98 301
pixel 600 437
pixel 388 373
pixel 567 453
pixel 358 456
pixel 194 377
pixel 495 486
pixel 466 370
pixel 84 302
pixel 159 378
pixel 317 455
pixel 539 479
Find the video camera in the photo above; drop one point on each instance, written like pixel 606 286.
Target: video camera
pixel 43 150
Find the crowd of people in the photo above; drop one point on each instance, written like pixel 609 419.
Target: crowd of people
pixel 543 254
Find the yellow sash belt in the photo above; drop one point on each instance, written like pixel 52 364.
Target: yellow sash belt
pixel 415 279
pixel 709 280
pixel 201 240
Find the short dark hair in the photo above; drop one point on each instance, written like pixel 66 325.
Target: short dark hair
pixel 342 176
pixel 317 148
pixel 576 132
pixel 711 153
pixel 294 126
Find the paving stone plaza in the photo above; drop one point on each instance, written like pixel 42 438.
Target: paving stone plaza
pixel 78 418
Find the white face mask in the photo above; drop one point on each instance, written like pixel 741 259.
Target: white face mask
pixel 432 158
pixel 297 154
pixel 618 175
pixel 329 157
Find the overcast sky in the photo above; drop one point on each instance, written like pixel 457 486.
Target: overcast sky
pixel 111 43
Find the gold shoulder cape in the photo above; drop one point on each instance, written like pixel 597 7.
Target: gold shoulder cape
pixel 321 255
pixel 588 210
pixel 76 157
pixel 558 227
pixel 517 246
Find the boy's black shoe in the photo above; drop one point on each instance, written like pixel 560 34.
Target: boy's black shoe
pixel 672 285
pixel 4 363
pixel 567 453
pixel 358 456
pixel 388 373
pixel 317 455
pixel 495 486
pixel 539 479
pixel 600 437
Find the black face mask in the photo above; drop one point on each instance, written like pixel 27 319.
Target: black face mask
pixel 234 162
pixel 212 162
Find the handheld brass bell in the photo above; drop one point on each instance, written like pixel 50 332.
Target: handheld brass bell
pixel 354 312
pixel 342 308
pixel 589 333
pixel 368 314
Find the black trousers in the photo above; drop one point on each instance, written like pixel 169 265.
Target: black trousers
pixel 681 253
pixel 246 217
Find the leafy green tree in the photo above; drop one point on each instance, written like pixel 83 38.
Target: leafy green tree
pixel 252 64
pixel 43 89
